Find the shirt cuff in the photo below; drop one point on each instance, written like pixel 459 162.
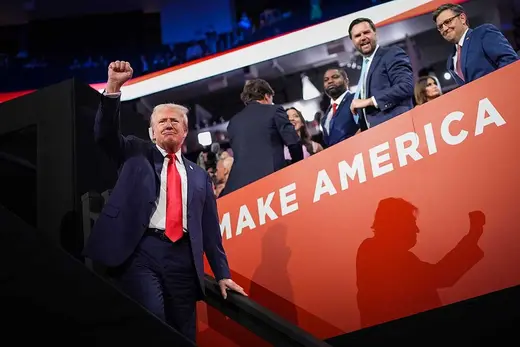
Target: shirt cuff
pixel 112 95
pixel 374 102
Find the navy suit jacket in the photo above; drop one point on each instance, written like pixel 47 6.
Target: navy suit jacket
pixel 257 136
pixel 126 215
pixel 342 125
pixel 484 50
pixel 390 82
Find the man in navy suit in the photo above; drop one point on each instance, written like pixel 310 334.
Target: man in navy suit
pixel 161 216
pixel 257 135
pixel 476 52
pixel 338 124
pixel 385 87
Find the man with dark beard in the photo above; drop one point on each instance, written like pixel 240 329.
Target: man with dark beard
pixel 338 123
pixel 385 87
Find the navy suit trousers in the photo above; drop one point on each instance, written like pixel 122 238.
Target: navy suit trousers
pixel 161 276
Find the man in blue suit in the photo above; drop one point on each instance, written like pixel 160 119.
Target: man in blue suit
pixel 257 135
pixel 476 52
pixel 161 216
pixel 385 87
pixel 338 123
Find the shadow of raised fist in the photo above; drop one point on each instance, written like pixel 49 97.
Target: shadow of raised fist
pixel 477 219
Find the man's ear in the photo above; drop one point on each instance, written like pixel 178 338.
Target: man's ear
pixel 150 133
pixel 465 17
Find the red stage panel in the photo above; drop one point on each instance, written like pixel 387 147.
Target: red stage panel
pixel 294 238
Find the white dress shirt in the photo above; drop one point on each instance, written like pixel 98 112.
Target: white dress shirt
pixel 158 220
pixel 460 43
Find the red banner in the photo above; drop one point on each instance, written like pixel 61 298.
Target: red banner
pixel 378 227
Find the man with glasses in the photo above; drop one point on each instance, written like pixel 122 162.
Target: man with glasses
pixel 478 51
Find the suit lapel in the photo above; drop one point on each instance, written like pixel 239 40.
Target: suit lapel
pixel 451 68
pixel 464 53
pixel 324 120
pixel 157 161
pixel 340 106
pixel 375 61
pixel 191 183
pixel 449 62
pixel 332 121
pixel 327 112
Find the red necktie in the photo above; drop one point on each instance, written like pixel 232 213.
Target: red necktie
pixel 334 108
pixel 458 68
pixel 174 229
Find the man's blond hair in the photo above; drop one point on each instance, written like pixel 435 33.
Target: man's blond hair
pixel 170 107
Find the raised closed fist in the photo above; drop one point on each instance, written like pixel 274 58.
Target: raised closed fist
pixel 477 219
pixel 119 72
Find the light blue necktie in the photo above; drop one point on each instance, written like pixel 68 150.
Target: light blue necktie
pixel 360 85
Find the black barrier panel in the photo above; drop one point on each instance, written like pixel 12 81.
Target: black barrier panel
pixel 48 297
pixel 488 320
pixel 48 159
pixel 50 112
pixel 18 183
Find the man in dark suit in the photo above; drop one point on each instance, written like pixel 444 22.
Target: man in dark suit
pixel 161 216
pixel 476 52
pixel 257 136
pixel 338 123
pixel 385 88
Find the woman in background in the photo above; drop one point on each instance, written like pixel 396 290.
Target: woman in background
pixel 309 147
pixel 426 89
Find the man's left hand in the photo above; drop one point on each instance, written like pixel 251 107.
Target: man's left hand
pixel 228 284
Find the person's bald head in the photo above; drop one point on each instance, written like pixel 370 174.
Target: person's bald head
pixel 224 155
pixel 223 168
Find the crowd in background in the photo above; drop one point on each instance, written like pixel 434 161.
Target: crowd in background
pixel 31 69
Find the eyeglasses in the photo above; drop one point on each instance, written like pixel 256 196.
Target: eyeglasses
pixel 447 22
